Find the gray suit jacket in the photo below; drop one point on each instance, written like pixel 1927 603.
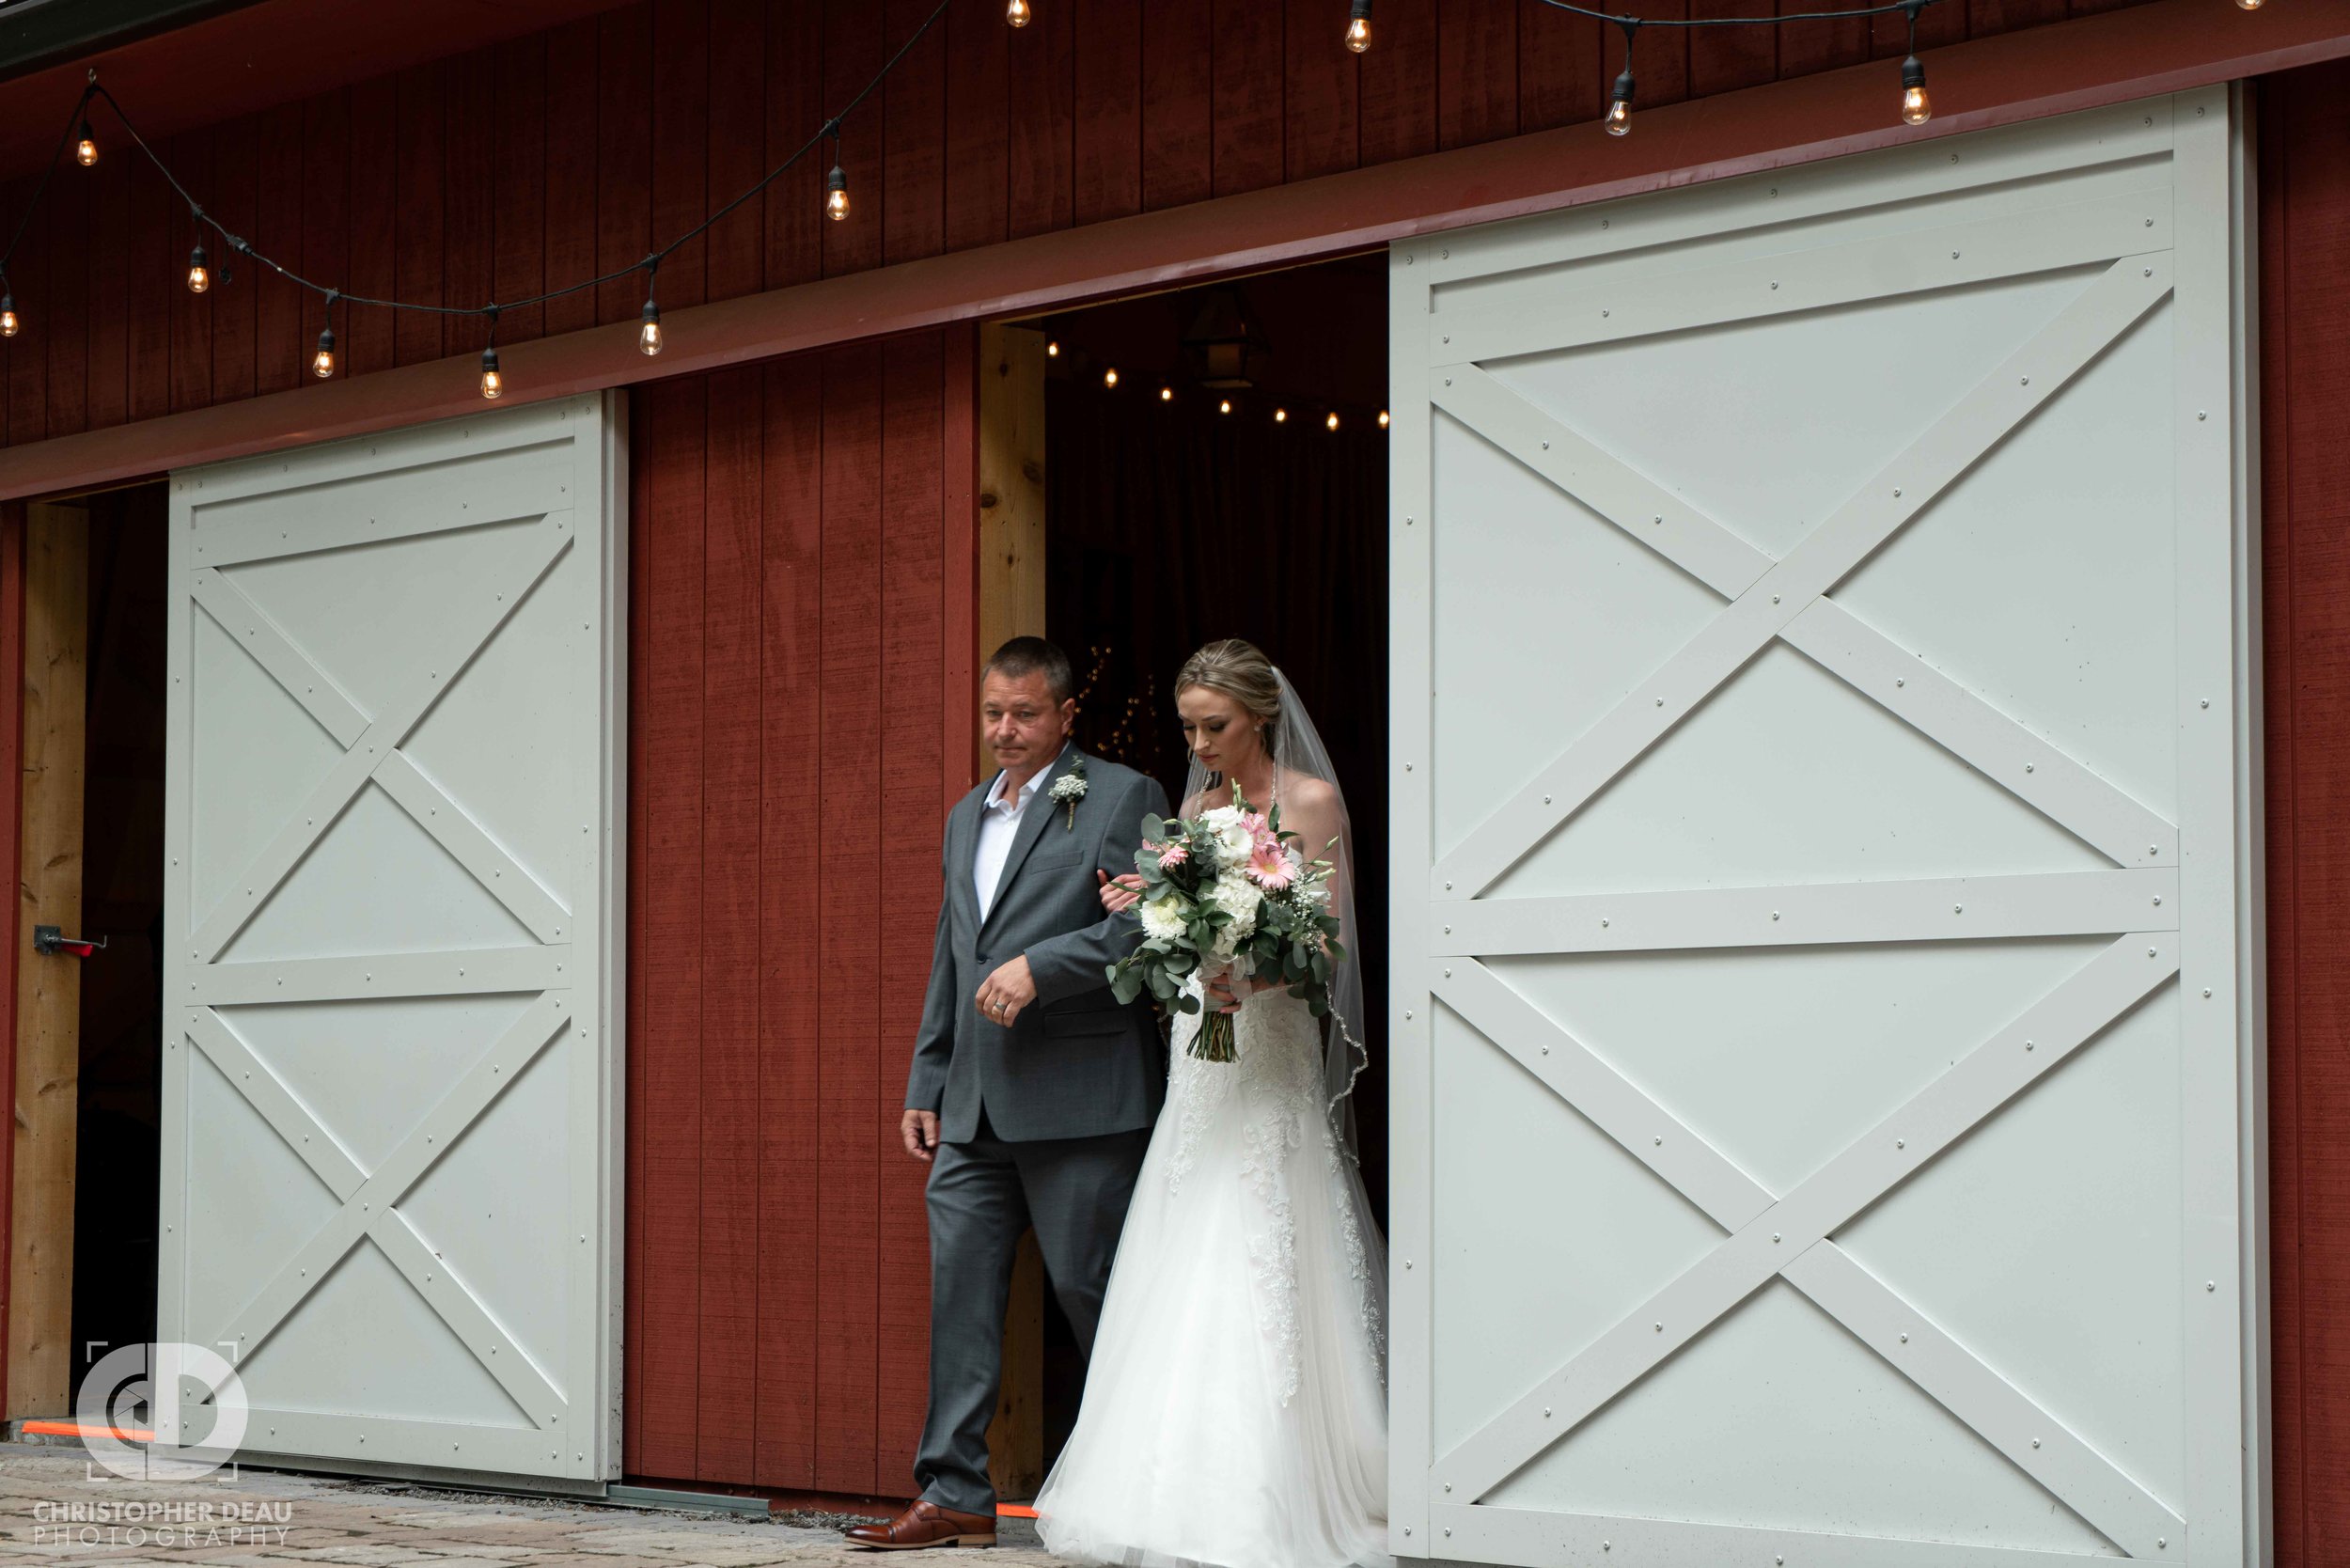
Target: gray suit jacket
pixel 1074 1063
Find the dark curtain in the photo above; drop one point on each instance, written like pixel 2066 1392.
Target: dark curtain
pixel 1170 526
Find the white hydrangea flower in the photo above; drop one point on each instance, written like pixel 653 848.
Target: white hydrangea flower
pixel 1163 917
pixel 1238 896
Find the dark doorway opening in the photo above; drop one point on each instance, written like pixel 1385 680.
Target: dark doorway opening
pixel 117 1119
pixel 1217 467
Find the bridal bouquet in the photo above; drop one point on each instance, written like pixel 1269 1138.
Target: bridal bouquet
pixel 1228 892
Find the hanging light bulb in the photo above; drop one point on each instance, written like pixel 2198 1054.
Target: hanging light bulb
pixel 322 362
pixel 649 334
pixel 1016 13
pixel 836 194
pixel 1166 394
pixel 1359 26
pixel 1109 377
pixel 1618 120
pixel 1223 406
pixel 493 384
pixel 1383 419
pixel 2249 4
pixel 1916 108
pixel 1280 416
pixel 199 271
pixel 1052 351
pixel 9 324
pixel 1332 422
pixel 85 150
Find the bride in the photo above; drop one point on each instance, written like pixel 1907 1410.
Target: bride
pixel 1235 1408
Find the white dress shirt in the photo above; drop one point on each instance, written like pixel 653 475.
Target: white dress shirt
pixel 999 825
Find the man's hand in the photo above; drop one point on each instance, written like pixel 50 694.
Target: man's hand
pixel 1003 994
pixel 920 1129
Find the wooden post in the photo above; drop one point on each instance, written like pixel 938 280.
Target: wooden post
pixel 1011 484
pixel 1011 603
pixel 49 989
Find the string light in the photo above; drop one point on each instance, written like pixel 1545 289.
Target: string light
pixel 1166 394
pixel 1223 406
pixel 649 334
pixel 1383 419
pixel 1332 422
pixel 322 362
pixel 1916 109
pixel 1280 416
pixel 1109 377
pixel 78 136
pixel 2249 4
pixel 1619 122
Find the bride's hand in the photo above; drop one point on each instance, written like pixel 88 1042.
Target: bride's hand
pixel 1225 999
pixel 1121 893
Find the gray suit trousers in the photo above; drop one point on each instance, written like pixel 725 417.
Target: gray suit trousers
pixel 982 1195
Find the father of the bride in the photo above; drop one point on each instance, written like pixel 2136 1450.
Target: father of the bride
pixel 1033 1091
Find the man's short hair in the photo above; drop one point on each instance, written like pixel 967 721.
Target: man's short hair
pixel 1024 656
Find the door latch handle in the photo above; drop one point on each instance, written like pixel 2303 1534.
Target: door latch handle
pixel 53 939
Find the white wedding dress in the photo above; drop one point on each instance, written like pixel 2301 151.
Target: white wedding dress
pixel 1235 1409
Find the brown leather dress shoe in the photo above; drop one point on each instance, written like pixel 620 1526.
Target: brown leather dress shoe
pixel 923 1525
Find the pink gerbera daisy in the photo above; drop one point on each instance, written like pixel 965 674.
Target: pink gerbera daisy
pixel 1270 867
pixel 1169 854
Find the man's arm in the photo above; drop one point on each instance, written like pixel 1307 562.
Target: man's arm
pixel 1068 964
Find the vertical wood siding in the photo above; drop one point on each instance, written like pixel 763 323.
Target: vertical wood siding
pixel 792 754
pixel 551 157
pixel 2304 500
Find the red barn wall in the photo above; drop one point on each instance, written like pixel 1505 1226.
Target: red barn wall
pixel 801 625
pixel 572 151
pixel 2305 502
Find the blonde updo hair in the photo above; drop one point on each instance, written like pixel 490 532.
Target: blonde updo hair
pixel 1241 671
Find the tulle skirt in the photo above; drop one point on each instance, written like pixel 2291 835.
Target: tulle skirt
pixel 1234 1411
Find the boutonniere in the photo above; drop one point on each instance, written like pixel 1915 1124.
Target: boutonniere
pixel 1069 788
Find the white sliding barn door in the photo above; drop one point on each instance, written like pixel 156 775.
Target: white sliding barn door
pixel 392 918
pixel 1826 1089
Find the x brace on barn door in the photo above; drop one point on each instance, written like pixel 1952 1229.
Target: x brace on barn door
pixel 371 752
pixel 1787 1234
pixel 1769 603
